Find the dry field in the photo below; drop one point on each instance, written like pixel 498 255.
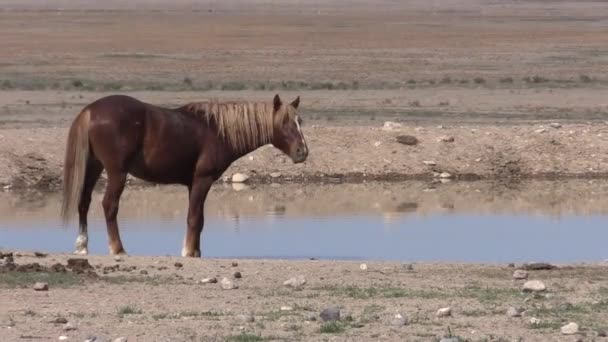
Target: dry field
pixel 491 89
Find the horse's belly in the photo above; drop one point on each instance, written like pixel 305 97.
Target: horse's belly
pixel 170 173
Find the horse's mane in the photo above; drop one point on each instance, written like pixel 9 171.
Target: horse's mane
pixel 244 125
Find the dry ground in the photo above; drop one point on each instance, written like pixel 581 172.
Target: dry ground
pixel 156 299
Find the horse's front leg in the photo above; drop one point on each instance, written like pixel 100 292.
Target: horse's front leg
pixel 196 218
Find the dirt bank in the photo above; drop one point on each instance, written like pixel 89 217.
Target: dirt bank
pixel 161 298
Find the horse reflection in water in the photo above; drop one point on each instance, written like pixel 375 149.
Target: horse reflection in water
pixel 191 145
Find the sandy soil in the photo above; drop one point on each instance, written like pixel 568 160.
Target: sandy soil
pixel 160 298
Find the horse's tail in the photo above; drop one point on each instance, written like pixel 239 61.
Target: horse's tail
pixel 75 164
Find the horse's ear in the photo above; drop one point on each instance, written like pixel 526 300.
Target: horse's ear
pixel 277 102
pixel 296 102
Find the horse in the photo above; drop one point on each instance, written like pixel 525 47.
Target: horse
pixel 191 145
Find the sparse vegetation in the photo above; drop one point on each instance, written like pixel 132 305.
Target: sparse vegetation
pixel 128 310
pixel 27 279
pixel 333 327
pixel 245 337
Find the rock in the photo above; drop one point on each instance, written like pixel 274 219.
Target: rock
pixel 245 318
pixel 511 265
pixel 569 329
pixel 41 286
pixel 62 338
pixel 295 282
pixel 445 175
pixel 514 312
pixel 121 339
pixel 275 175
pixel 538 266
pixel 117 258
pixel 234 264
pixel 143 272
pixel 311 317
pixel 227 284
pixel 363 267
pixel 429 162
pixel 178 265
pixel 40 255
pixel 286 308
pixel 450 339
pixel 331 313
pixel 534 286
pixel 534 321
pixel 407 139
pixel 602 332
pixel 399 320
pixel 59 320
pixel 520 274
pixel 209 280
pixel 391 125
pixel 555 125
pixel 540 130
pixel 69 327
pixel 377 143
pixel 239 178
pixel 92 339
pixel 446 139
pixel 444 312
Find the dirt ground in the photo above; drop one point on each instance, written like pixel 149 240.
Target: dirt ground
pixel 501 91
pixel 162 299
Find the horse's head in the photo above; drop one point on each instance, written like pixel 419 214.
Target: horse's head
pixel 287 135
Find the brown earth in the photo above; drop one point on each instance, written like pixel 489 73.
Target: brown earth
pixel 160 298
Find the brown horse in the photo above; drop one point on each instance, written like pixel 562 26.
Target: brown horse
pixel 191 145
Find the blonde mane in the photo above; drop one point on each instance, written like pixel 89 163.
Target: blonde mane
pixel 244 125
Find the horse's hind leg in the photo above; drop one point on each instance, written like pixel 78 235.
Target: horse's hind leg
pixel 114 188
pixel 93 171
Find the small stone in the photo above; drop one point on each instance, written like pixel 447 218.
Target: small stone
pixel 117 258
pixel 399 320
pixel 511 265
pixel 450 339
pixel 540 130
pixel 444 312
pixel 311 317
pixel 69 327
pixel 534 321
pixel 237 275
pixel 520 274
pixel 40 255
pixel 41 286
pixel 555 125
pixel 538 266
pixel 143 272
pixel 478 160
pixel 377 143
pixel 534 286
pixel 227 284
pixel 514 312
pixel 275 175
pixel 295 282
pixel 569 329
pixel 234 264
pixel 63 338
pixel 446 139
pixel 239 178
pixel 331 313
pixel 121 339
pixel 209 280
pixel 445 175
pixel 60 320
pixel 390 126
pixel 178 265
pixel 429 162
pixel 407 140
pixel 408 267
pixel 245 318
pixel 363 267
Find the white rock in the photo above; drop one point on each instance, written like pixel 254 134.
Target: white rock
pixel 295 282
pixel 513 312
pixel 239 186
pixel 209 280
pixel 117 258
pixel 40 286
pixel 239 178
pixel 228 284
pixel 286 308
pixel 275 175
pixel 63 338
pixel 570 329
pixel 399 320
pixel 534 320
pixel 540 130
pixel 377 143
pixel 250 157
pixel 363 267
pixel 534 286
pixel 445 175
pixel 429 162
pixel 69 327
pixel 444 312
pixel 446 139
pixel 390 126
pixel 478 160
pixel 520 274
pixel 555 125
pixel 121 339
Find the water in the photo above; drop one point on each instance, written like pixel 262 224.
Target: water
pixel 465 222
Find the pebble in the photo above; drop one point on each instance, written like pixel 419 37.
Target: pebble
pixel 534 320
pixel 69 327
pixel 363 267
pixel 121 339
pixel 534 286
pixel 239 178
pixel 569 329
pixel 311 317
pixel 377 143
pixel 429 162
pixel 555 125
pixel 540 130
pixel 286 308
pixel 520 274
pixel 446 139
pixel 63 338
pixel 117 258
pixel 275 175
pixel 227 284
pixel 450 339
pixel 245 318
pixel 178 265
pixel 209 280
pixel 408 267
pixel 444 312
pixel 41 286
pixel 234 264
pixel 237 275
pixel 331 313
pixel 295 282
pixel 399 320
pixel 513 312
pixel 391 125
pixel 445 175
pixel 407 139
pixel 143 272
